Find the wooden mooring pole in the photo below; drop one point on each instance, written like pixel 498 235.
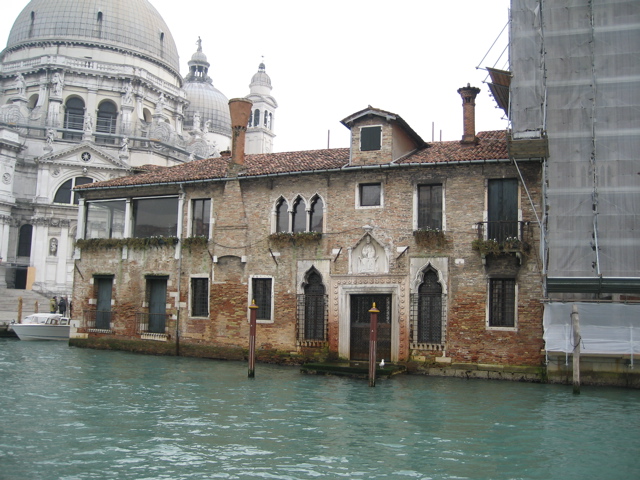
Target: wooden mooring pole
pixel 19 320
pixel 575 324
pixel 373 341
pixel 252 338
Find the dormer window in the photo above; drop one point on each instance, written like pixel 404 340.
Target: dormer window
pixel 370 138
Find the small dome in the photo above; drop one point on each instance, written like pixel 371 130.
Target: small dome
pixel 133 26
pixel 205 99
pixel 212 106
pixel 199 57
pixel 260 78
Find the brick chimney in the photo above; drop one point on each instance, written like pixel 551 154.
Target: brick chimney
pixel 468 95
pixel 240 109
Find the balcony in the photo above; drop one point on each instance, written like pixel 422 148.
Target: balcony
pixel 502 238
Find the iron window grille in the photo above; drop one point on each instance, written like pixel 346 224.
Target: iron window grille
pixel 261 291
pixel 199 297
pixel 427 333
pixel 312 321
pixel 502 302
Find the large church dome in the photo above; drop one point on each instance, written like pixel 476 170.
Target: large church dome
pixel 131 26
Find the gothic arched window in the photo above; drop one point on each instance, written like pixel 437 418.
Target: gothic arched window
pixel 429 325
pixel 282 216
pixel 313 324
pixel 299 215
pixel 316 214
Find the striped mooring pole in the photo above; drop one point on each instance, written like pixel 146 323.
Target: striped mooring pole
pixel 373 340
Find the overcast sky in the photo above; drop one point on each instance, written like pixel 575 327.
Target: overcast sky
pixel 333 58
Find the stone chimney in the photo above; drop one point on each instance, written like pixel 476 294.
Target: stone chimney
pixel 240 109
pixel 468 95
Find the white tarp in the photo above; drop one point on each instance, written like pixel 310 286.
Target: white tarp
pixel 605 328
pixel 576 75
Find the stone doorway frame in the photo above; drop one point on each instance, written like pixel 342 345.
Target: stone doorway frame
pixel 343 288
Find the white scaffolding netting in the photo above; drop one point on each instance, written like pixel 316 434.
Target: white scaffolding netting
pixel 576 76
pixel 604 328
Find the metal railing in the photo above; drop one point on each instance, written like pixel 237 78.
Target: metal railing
pixel 97 319
pixel 151 322
pixel 500 231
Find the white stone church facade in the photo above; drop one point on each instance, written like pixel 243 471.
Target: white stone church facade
pixel 91 91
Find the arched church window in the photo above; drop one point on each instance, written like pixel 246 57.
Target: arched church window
pixel 299 216
pixel 266 118
pixel 33 101
pixel 73 118
pixel 106 122
pixel 312 325
pixel 65 193
pixel 256 118
pixel 316 214
pixel 250 119
pixel 270 120
pixel 282 216
pixel 24 240
pixel 429 321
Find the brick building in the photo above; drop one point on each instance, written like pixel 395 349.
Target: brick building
pixel 442 237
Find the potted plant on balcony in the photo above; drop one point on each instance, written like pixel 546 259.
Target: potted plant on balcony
pixel 428 237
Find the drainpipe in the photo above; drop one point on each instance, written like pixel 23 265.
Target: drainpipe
pixel 178 255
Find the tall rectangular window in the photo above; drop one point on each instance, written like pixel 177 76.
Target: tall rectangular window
pixel 502 302
pixel 430 207
pixel 370 194
pixel 261 293
pixel 199 297
pixel 200 217
pixel 370 138
pixel 503 209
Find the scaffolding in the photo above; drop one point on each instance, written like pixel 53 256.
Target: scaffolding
pixel 575 79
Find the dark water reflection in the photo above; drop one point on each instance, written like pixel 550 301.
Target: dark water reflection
pixel 83 414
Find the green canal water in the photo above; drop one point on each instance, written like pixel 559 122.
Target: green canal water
pixel 72 413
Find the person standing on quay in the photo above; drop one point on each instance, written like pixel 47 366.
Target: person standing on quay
pixel 62 306
pixel 53 305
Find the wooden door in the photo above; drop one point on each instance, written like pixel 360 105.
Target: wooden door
pixel 103 307
pixel 360 326
pixel 157 304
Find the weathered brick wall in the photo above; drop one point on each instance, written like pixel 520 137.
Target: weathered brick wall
pixel 467 336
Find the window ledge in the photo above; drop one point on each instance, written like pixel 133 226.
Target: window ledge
pixel 503 329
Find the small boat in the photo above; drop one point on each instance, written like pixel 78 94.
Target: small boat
pixel 43 326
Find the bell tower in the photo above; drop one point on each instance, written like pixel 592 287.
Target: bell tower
pixel 260 129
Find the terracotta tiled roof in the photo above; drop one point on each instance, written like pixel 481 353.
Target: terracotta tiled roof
pixel 492 145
